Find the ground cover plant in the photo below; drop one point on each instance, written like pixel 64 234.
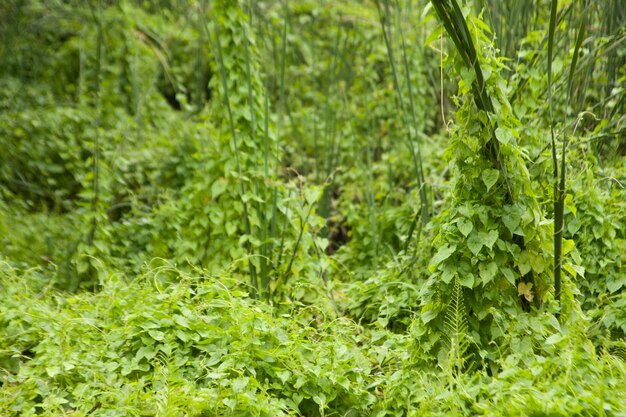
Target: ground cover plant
pixel 312 208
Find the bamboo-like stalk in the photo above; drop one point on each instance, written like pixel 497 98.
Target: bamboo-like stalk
pixel 559 197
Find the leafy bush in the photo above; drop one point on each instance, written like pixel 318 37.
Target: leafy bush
pixel 148 346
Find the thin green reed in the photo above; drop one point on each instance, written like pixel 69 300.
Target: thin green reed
pixel 253 124
pixel 415 154
pixel 265 237
pixel 218 46
pixel 559 192
pixel 97 17
pixel 329 114
pixel 422 180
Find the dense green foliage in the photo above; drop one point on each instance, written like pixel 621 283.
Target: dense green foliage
pixel 312 208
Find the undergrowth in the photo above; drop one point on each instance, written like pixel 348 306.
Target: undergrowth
pixel 312 208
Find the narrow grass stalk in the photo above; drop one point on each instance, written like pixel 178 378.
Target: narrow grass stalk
pixel 303 223
pixel 261 287
pixel 559 192
pixel 199 101
pixel 370 191
pixel 233 131
pixel 534 61
pixel 281 246
pixel 273 230
pixel 572 70
pixel 329 114
pixel 423 190
pixel 392 62
pixel 97 16
pixel 559 198
pixel 511 21
pixel 266 239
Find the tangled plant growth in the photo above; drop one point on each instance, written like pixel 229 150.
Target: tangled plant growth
pixel 312 208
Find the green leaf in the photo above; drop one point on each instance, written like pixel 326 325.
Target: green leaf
pixel 449 270
pixel 474 243
pixel 429 312
pixel 465 226
pixel 230 403
pixel 182 335
pixel 467 280
pixel 320 399
pixel 283 375
pixel 157 335
pixel 523 263
pixel 53 371
pixel 554 339
pixel 614 284
pixel 490 177
pixel 239 384
pixel 537 262
pixel 569 203
pixel 568 246
pixel 230 229
pixel 489 238
pixel 181 321
pixel 444 253
pixel 487 272
pixel 468 75
pixel 434 36
pixel 312 194
pixel 504 135
pixel 509 275
pixel 218 187
pixel 477 240
pixel 512 218
pixel 147 352
pixel 574 270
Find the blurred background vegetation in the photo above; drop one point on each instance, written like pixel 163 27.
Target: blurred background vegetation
pixel 312 207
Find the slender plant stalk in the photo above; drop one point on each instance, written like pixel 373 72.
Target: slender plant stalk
pixel 259 209
pixel 559 192
pixel 233 131
pixel 303 223
pixel 96 140
pixel 392 62
pixel 423 189
pixel 281 247
pixel 273 226
pixel 329 114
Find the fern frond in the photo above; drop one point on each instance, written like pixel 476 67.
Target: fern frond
pixel 617 349
pixel 456 331
pixel 170 390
